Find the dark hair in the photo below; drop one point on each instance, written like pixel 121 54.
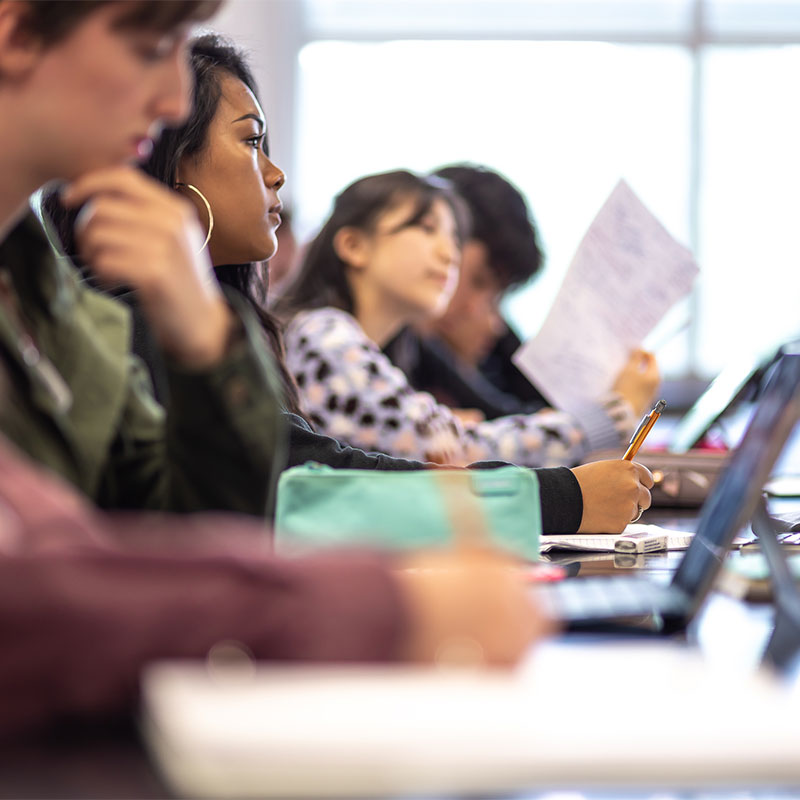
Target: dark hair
pixel 52 20
pixel 501 220
pixel 322 277
pixel 211 57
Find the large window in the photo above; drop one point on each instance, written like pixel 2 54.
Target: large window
pixel 564 120
pixel 749 232
pixel 694 102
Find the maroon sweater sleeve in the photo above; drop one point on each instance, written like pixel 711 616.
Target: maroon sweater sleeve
pixel 84 604
pixel 76 629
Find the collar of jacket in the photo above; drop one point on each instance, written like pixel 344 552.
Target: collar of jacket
pixel 44 279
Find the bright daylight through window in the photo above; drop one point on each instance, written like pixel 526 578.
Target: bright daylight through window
pixel 692 102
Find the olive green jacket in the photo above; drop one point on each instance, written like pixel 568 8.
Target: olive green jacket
pixel 74 398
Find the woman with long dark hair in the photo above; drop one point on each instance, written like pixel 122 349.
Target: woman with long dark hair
pixel 186 157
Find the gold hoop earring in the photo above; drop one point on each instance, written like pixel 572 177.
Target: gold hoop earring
pixel 208 210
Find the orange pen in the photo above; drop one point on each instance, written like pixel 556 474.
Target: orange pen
pixel 644 428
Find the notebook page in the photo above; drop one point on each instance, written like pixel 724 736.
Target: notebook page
pixel 604 542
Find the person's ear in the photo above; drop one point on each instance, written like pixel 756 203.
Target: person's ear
pixel 351 245
pixel 20 47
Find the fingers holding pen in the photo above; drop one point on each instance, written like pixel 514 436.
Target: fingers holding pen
pixel 612 493
pixel 644 500
pixel 645 482
pixel 644 475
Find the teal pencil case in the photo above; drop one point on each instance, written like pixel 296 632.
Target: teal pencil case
pixel 319 506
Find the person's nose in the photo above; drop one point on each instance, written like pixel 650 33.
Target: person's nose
pixel 173 102
pixel 274 177
pixel 447 249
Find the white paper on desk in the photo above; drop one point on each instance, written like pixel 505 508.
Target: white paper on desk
pixel 604 542
pixel 627 273
pixel 641 715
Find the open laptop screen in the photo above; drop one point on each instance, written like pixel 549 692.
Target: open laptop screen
pixel 721 395
pixel 735 496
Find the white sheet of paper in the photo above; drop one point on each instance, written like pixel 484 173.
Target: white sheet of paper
pixel 627 273
pixel 640 716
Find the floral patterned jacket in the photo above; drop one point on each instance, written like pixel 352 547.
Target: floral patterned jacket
pixel 353 392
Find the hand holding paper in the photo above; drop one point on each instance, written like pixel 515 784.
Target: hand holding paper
pixel 638 380
pixel 626 274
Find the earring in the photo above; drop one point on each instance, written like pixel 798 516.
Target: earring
pixel 208 210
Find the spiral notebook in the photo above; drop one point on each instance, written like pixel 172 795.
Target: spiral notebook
pixel 606 542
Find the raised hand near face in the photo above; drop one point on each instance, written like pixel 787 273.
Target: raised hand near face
pixel 136 232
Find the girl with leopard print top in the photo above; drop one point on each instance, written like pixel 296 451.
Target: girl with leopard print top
pixel 388 256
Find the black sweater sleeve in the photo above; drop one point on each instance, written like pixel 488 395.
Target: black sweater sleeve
pixel 560 493
pixel 561 500
pixel 308 445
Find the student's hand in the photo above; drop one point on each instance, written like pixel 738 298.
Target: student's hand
pixel 638 380
pixel 136 232
pixel 612 492
pixel 469 607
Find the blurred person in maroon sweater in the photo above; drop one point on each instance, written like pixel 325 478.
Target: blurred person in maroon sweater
pixel 87 599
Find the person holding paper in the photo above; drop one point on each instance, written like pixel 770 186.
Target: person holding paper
pixel 626 274
pixel 463 357
pixel 388 256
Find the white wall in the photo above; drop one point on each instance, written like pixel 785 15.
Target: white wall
pixel 269 31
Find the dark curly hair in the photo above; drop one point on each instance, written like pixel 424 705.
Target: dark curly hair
pixel 501 220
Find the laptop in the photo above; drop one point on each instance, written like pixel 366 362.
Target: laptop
pixel 783 648
pixel 736 384
pixel 593 603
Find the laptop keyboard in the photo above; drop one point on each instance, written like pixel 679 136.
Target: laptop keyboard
pixel 607 598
